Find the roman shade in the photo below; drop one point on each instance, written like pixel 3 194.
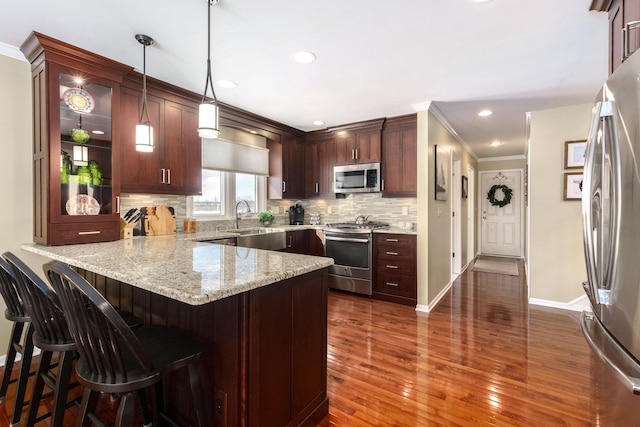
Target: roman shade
pixel 228 156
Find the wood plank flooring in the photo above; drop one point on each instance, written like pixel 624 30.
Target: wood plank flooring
pixel 482 357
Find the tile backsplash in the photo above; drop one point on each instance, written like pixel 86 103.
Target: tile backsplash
pixel 395 211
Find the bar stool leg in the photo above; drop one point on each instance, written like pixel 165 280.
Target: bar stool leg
pixel 62 388
pixel 23 378
pixel 88 406
pixel 36 395
pixel 16 333
pixel 196 393
pixel 126 410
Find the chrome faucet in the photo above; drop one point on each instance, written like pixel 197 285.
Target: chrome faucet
pixel 237 214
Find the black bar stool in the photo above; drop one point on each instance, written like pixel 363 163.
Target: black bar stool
pixel 51 335
pixel 114 358
pixel 15 313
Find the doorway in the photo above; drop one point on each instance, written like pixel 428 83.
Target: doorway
pixel 456 224
pixel 471 216
pixel 501 213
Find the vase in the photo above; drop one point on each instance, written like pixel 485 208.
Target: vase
pixel 266 223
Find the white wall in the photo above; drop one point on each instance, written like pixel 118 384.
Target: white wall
pixel 556 260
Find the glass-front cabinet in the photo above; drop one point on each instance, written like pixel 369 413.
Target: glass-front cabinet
pixel 76 143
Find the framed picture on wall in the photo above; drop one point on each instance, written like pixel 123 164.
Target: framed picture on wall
pixel 441 172
pixel 574 154
pixel 572 186
pixel 465 187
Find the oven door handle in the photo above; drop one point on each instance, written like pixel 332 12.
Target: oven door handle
pixel 346 239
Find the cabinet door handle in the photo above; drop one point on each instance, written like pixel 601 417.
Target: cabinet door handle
pixel 290 242
pixel 168 176
pixel 356 154
pixel 84 233
pixel 382 185
pixel 317 187
pixel 353 154
pixel 284 187
pixel 117 204
pixel 392 284
pixel 164 176
pixel 391 266
pixel 392 253
pixel 392 240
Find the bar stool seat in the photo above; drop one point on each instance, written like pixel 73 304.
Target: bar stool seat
pixel 17 344
pixel 51 335
pixel 114 358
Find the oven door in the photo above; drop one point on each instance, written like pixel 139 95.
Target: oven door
pixel 348 250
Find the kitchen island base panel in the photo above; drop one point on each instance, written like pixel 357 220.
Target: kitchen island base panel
pixel 267 349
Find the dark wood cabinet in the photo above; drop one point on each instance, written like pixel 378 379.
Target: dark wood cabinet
pixel 320 157
pixel 358 142
pixel 624 30
pixel 298 241
pixel 395 275
pixel 174 166
pixel 286 168
pixel 76 101
pixel 399 157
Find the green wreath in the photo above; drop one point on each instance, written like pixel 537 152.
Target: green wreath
pixel 505 200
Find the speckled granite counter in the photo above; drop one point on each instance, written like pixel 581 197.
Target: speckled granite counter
pixel 182 269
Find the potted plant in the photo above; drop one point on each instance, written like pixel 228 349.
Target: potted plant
pixel 266 218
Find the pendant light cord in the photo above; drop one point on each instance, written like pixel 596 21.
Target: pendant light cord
pixel 209 80
pixel 144 111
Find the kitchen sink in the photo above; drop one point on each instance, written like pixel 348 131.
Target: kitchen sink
pixel 250 231
pixel 260 238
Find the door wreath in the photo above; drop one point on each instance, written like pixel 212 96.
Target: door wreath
pixel 506 191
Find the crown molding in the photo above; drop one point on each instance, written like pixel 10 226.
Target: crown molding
pixel 12 52
pixel 433 109
pixel 497 159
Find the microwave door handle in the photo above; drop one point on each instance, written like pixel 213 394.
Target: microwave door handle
pixel 591 202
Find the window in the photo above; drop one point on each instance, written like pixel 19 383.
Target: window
pixel 222 190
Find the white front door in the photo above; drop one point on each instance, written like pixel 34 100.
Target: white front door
pixel 501 225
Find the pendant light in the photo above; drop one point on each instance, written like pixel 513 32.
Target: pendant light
pixel 208 113
pixel 144 131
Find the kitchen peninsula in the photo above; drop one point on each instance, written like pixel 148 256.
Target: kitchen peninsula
pixel 262 313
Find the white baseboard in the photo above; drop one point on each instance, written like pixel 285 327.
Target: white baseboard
pixel 427 308
pixel 578 304
pixel 3 358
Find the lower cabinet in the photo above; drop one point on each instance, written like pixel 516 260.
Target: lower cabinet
pixel 306 242
pixel 395 268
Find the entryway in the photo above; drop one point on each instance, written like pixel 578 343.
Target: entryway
pixel 501 213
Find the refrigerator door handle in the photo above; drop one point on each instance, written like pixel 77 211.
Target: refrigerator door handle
pixel 610 352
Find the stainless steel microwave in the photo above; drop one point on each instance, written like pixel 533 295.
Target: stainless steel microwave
pixel 359 178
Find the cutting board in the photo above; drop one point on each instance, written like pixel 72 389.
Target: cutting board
pixel 158 220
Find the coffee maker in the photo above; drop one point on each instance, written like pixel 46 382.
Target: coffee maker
pixel 296 214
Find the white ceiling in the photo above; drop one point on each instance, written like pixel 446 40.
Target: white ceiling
pixel 374 58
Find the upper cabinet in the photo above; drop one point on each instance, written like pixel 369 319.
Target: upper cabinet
pixel 76 97
pixel 624 28
pixel 358 142
pixel 320 157
pixel 174 166
pixel 286 168
pixel 399 157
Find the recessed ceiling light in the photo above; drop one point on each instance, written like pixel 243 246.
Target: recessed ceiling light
pixel 253 132
pixel 481 1
pixel 496 144
pixel 485 113
pixel 303 57
pixel 318 122
pixel 228 84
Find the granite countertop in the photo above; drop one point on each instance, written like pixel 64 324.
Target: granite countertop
pixel 181 268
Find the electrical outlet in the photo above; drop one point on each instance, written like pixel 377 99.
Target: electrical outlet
pixel 220 407
pixel 405 210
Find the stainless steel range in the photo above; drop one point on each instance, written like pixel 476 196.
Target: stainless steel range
pixel 350 246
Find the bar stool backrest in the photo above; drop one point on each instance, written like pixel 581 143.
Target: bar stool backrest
pixel 42 305
pixel 15 311
pixel 109 351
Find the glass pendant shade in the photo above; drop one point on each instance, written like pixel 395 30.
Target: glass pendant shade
pixel 80 155
pixel 208 116
pixel 144 137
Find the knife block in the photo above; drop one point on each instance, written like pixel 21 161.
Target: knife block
pixel 126 229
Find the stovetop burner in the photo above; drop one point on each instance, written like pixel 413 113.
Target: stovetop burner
pixel 353 227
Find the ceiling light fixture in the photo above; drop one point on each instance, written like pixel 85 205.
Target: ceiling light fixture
pixel 496 143
pixel 318 122
pixel 227 84
pixel 209 112
pixel 144 131
pixel 485 113
pixel 303 57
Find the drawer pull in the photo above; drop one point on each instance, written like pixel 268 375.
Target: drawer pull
pixel 392 253
pixel 392 284
pixel 392 240
pixel 391 266
pixel 84 233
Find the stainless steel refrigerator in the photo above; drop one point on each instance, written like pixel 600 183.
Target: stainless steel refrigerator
pixel 611 226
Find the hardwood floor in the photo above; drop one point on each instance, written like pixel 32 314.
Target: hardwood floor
pixel 482 357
